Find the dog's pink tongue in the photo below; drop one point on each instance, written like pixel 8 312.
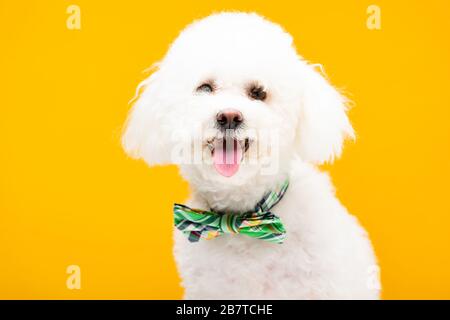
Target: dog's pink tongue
pixel 227 156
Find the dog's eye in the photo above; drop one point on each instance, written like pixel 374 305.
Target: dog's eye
pixel 205 87
pixel 257 93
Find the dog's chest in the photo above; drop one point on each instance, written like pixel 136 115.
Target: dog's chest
pixel 236 261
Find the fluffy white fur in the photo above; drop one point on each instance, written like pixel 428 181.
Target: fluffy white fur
pixel 326 254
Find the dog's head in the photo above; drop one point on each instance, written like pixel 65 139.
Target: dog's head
pixel 232 100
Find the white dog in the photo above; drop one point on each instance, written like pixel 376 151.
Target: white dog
pixel 236 79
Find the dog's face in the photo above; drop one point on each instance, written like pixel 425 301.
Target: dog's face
pixel 232 100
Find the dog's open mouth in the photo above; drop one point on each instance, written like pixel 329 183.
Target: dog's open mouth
pixel 227 154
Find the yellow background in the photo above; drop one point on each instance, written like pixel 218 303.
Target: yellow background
pixel 69 195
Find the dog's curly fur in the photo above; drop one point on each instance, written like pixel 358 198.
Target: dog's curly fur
pixel 326 254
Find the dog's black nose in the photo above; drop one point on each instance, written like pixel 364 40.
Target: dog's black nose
pixel 229 119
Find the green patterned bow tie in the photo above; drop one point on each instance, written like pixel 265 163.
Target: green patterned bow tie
pixel 260 223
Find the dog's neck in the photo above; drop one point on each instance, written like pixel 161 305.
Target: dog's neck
pixel 233 198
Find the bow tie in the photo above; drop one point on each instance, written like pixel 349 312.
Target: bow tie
pixel 260 223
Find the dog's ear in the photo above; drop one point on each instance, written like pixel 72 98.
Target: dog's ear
pixel 144 136
pixel 323 124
